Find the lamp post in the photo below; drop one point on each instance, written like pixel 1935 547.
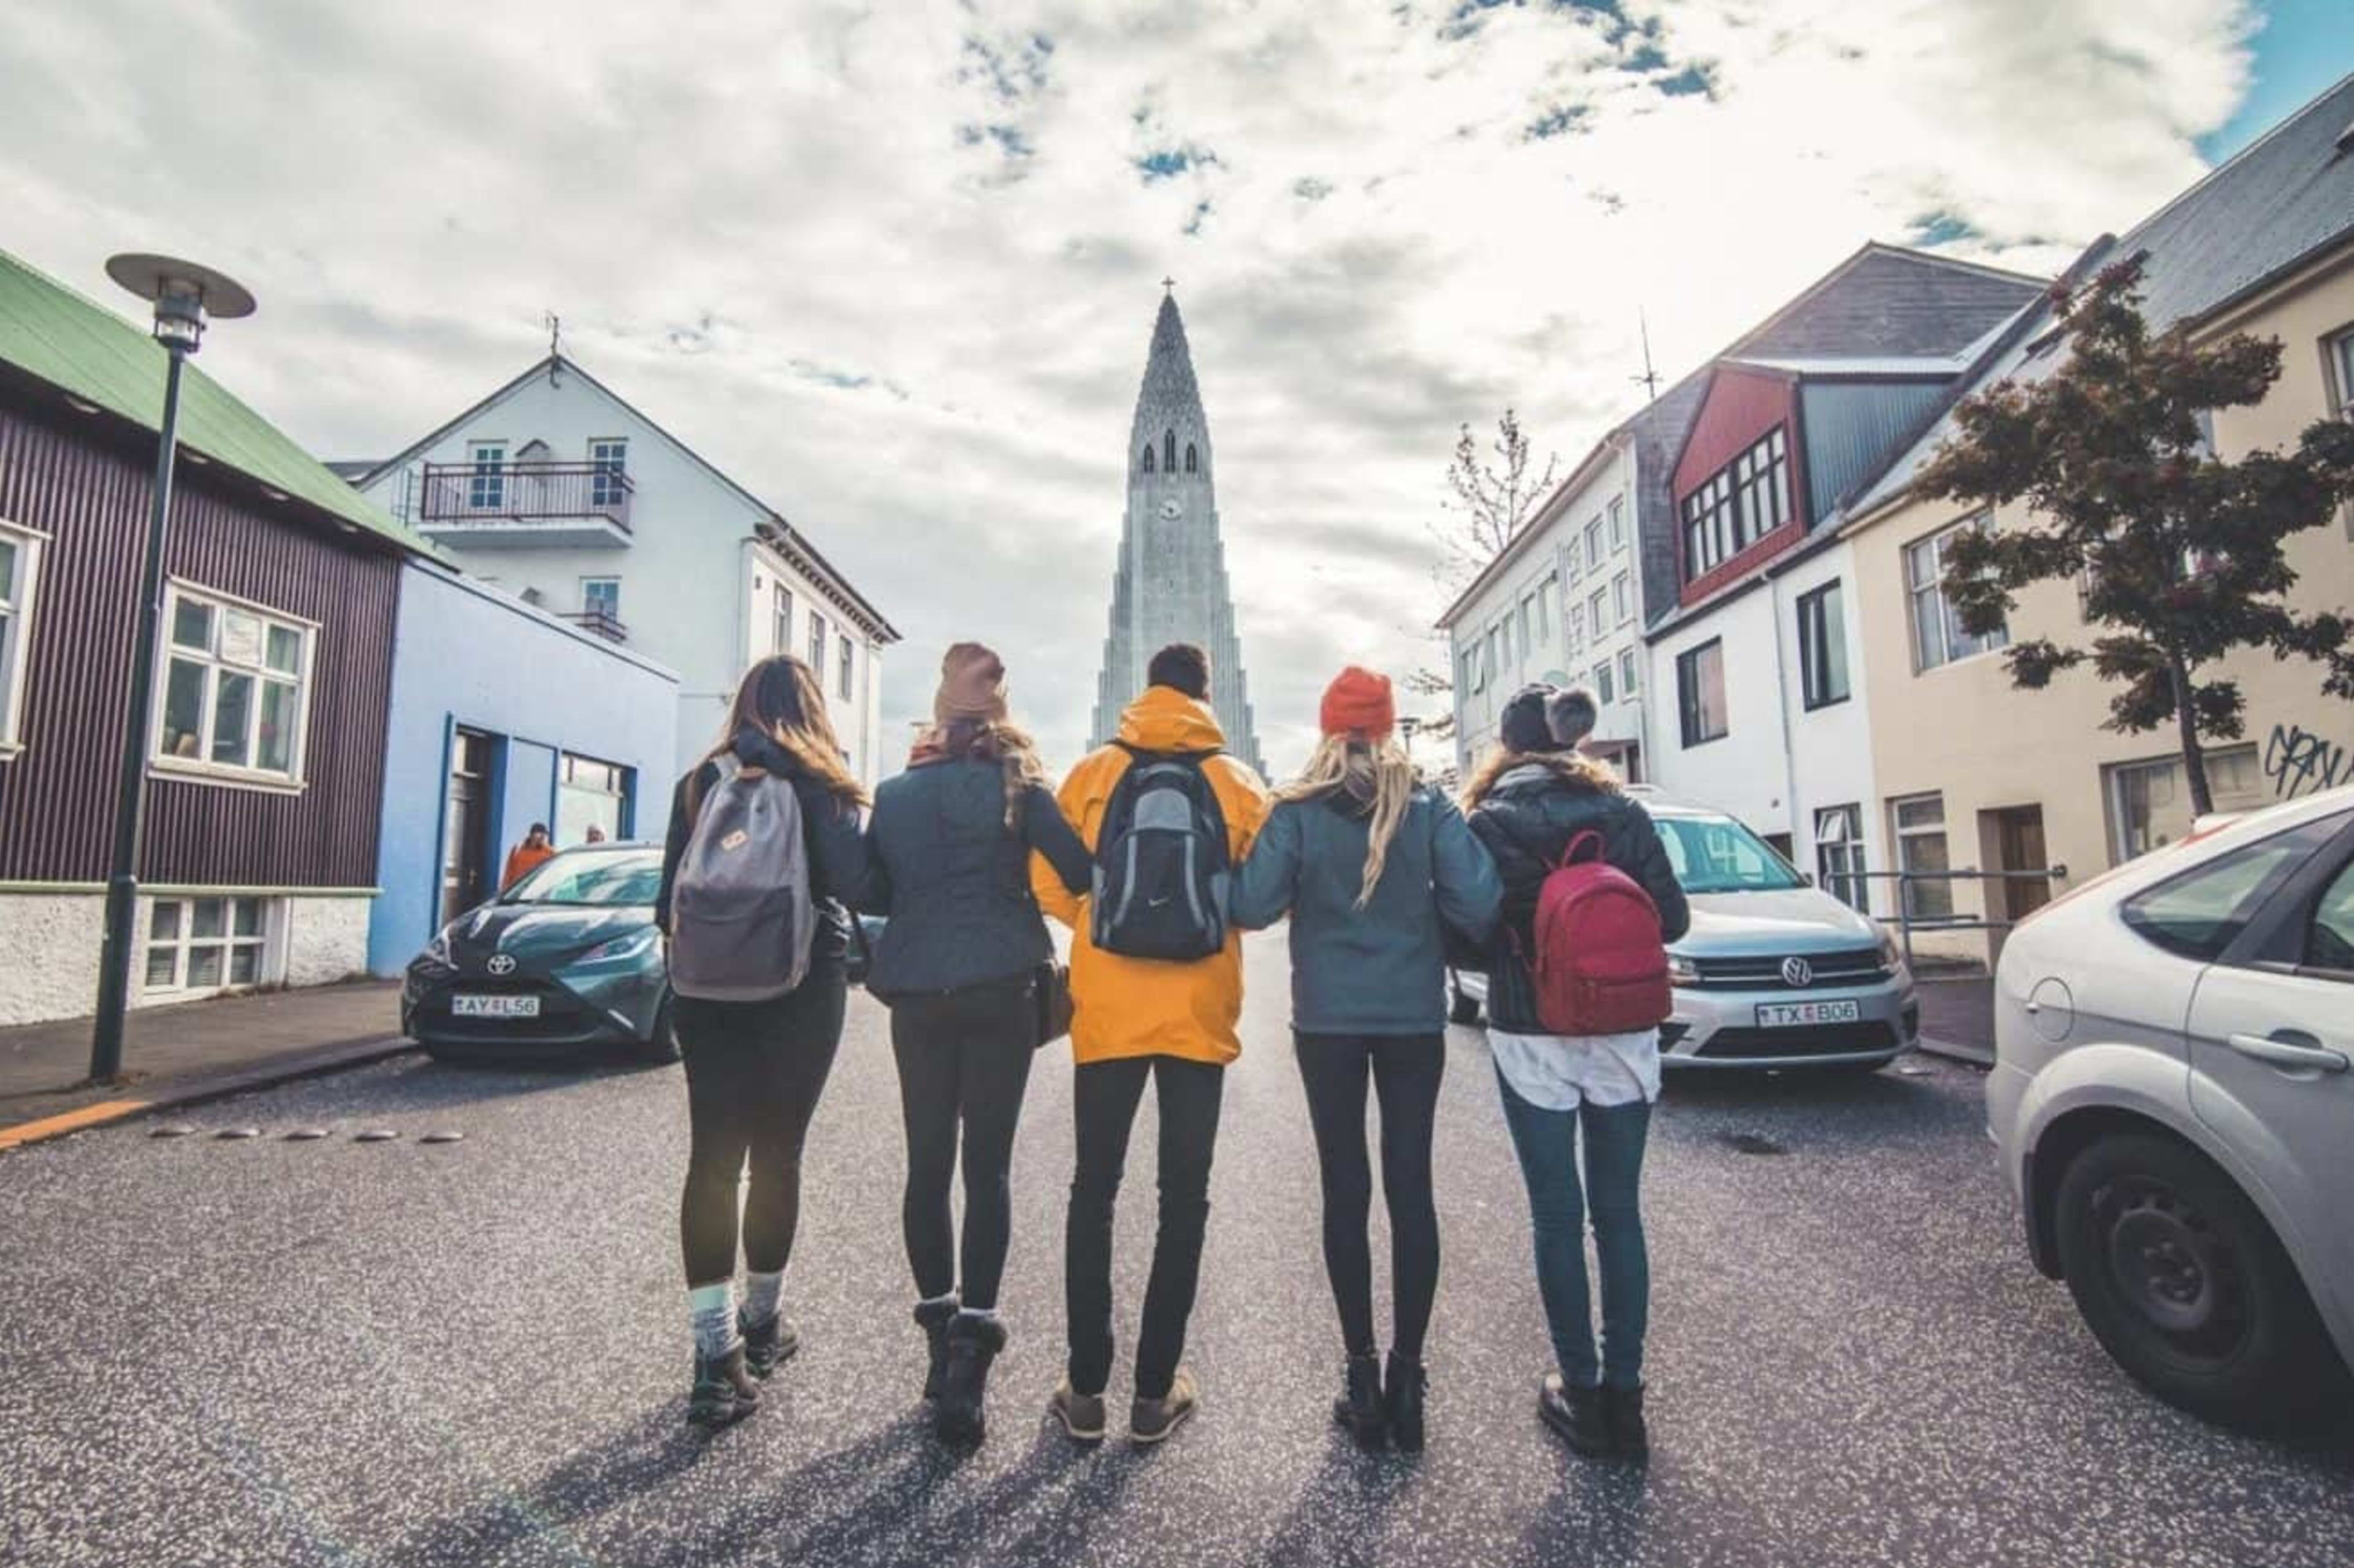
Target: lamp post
pixel 184 294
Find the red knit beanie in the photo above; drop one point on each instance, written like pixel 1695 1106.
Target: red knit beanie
pixel 1358 702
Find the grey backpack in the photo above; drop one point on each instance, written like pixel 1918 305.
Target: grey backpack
pixel 742 915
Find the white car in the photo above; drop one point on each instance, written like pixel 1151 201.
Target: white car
pixel 2175 1111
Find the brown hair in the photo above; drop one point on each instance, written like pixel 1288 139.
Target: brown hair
pixel 1183 667
pixel 1574 765
pixel 994 740
pixel 782 698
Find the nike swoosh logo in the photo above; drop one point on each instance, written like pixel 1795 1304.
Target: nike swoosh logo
pixel 1154 902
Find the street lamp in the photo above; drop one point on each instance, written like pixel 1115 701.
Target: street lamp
pixel 184 294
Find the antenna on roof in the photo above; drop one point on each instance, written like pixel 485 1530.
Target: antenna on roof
pixel 554 345
pixel 1650 377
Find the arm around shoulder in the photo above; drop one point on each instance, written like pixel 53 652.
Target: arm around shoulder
pixel 1471 892
pixel 1268 877
pixel 1057 843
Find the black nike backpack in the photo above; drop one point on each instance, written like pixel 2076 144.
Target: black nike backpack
pixel 1161 866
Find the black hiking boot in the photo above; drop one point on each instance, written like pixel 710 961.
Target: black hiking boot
pixel 1408 1382
pixel 974 1341
pixel 724 1390
pixel 933 1318
pixel 1623 1409
pixel 1359 1405
pixel 767 1346
pixel 1575 1413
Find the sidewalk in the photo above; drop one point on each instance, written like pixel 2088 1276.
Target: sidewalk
pixel 189 1051
pixel 1957 1015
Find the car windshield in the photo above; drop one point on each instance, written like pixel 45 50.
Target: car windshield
pixel 1717 854
pixel 592 876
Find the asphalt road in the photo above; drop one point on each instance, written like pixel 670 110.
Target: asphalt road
pixel 394 1353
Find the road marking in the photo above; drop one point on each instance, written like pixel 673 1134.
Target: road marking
pixel 68 1121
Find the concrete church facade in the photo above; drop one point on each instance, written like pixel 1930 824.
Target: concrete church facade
pixel 1171 582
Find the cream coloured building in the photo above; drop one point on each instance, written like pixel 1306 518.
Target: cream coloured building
pixel 1973 774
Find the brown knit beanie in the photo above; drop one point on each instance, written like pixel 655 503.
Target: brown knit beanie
pixel 973 685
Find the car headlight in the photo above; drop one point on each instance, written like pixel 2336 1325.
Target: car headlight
pixel 1892 958
pixel 1682 970
pixel 620 949
pixel 438 949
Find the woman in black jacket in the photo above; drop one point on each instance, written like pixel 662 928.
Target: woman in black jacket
pixel 754 1069
pixel 1526 802
pixel 959 965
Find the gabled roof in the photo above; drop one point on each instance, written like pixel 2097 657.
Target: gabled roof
pixel 56 335
pixel 772 527
pixel 2284 200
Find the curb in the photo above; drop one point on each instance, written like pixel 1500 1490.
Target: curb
pixel 174 1094
pixel 1955 1052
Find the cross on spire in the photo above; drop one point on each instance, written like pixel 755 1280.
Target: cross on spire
pixel 1168 284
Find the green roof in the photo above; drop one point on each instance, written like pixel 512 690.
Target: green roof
pixel 79 346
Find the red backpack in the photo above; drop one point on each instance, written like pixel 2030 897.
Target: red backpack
pixel 1600 966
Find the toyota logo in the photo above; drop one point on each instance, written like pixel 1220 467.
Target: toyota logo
pixel 503 964
pixel 1797 973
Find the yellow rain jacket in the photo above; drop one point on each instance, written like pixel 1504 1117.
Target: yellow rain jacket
pixel 1148 1007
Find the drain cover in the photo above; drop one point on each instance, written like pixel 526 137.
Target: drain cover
pixel 234 1132
pixel 1752 1143
pixel 170 1129
pixel 374 1135
pixel 443 1137
pixel 306 1134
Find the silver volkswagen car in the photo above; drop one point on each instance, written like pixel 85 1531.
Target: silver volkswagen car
pixel 2174 1108
pixel 1774 972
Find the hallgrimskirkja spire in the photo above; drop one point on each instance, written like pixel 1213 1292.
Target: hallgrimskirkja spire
pixel 1171 582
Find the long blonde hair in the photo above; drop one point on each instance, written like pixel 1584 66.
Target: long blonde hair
pixel 1574 766
pixel 991 740
pixel 1375 773
pixel 782 698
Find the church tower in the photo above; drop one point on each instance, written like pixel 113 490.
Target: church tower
pixel 1170 584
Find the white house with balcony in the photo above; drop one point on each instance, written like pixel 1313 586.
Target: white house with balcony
pixel 556 490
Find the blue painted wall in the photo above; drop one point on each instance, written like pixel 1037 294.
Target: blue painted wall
pixel 468 655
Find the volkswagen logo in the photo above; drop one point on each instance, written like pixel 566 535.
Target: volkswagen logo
pixel 1797 973
pixel 503 964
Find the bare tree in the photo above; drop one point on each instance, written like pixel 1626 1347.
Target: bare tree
pixel 1493 497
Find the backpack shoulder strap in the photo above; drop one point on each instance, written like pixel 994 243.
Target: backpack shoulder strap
pixel 1578 841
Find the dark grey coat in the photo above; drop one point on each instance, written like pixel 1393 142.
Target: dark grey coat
pixel 955 880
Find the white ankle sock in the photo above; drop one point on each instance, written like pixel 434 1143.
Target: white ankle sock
pixel 711 1309
pixel 763 1292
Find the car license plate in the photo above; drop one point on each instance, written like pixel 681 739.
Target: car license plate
pixel 495 1006
pixel 1797 1014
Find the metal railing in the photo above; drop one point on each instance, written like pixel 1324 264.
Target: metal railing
pixel 603 622
pixel 1907 921
pixel 466 492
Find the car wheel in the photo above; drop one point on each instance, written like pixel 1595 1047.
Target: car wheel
pixel 662 1046
pixel 2186 1288
pixel 1463 1008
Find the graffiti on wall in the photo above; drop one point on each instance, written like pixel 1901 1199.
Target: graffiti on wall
pixel 2300 762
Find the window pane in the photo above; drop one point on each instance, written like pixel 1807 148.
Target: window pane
pixel 240 640
pixel 285 650
pixel 204 966
pixel 279 714
pixel 184 708
pixel 233 718
pixel 162 964
pixel 192 625
pixel 2198 915
pixel 1928 630
pixel 1926 811
pixel 8 571
pixel 248 917
pixel 1626 672
pixel 2330 944
pixel 164 921
pixel 244 964
pixel 210 915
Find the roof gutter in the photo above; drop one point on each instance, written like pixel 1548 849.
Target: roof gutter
pixel 1548 512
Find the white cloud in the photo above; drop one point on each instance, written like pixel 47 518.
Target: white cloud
pixel 894 267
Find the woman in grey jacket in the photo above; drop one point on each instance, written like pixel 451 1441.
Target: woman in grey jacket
pixel 1370 862
pixel 951 843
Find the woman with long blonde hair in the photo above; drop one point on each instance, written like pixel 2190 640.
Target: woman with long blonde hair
pixel 961 965
pixel 754 1069
pixel 1374 867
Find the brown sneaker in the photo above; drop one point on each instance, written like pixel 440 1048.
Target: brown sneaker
pixel 1082 1415
pixel 1150 1420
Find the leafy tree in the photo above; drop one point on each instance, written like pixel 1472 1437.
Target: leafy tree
pixel 2179 554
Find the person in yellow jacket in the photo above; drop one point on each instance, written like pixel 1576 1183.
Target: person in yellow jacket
pixel 1136 1018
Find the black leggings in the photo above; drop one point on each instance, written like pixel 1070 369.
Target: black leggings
pixel 1405 1070
pixel 754 1072
pixel 964 1060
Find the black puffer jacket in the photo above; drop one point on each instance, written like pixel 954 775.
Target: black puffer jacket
pixel 1527 821
pixel 837 854
pixel 955 880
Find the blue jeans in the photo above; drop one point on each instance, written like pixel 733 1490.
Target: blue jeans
pixel 1547 1142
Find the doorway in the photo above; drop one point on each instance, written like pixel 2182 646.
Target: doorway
pixel 465 854
pixel 2019 846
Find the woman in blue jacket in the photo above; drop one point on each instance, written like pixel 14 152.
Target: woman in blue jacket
pixel 1370 862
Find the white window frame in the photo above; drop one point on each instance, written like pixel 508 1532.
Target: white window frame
pixel 1926 597
pixel 200 767
pixel 1622 597
pixel 1842 859
pixel 1593 545
pixel 846 663
pixel 817 646
pixel 487 480
pixel 1576 624
pixel 16 622
pixel 1628 667
pixel 780 619
pixel 588 598
pixel 2242 758
pixel 1547 591
pixel 183 939
pixel 1821 658
pixel 2338 368
pixel 1605 687
pixel 1688 707
pixel 1618 516
pixel 1597 611
pixel 1928 901
pixel 601 469
pixel 576 779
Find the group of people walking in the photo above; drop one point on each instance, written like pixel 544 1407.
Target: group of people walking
pixel 1157 852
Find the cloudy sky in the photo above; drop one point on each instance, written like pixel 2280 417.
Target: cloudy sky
pixel 894 265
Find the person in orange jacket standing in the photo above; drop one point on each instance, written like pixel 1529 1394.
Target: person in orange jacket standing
pixel 1157 986
pixel 528 856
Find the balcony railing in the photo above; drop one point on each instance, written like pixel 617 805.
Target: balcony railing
pixel 600 621
pixel 462 495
